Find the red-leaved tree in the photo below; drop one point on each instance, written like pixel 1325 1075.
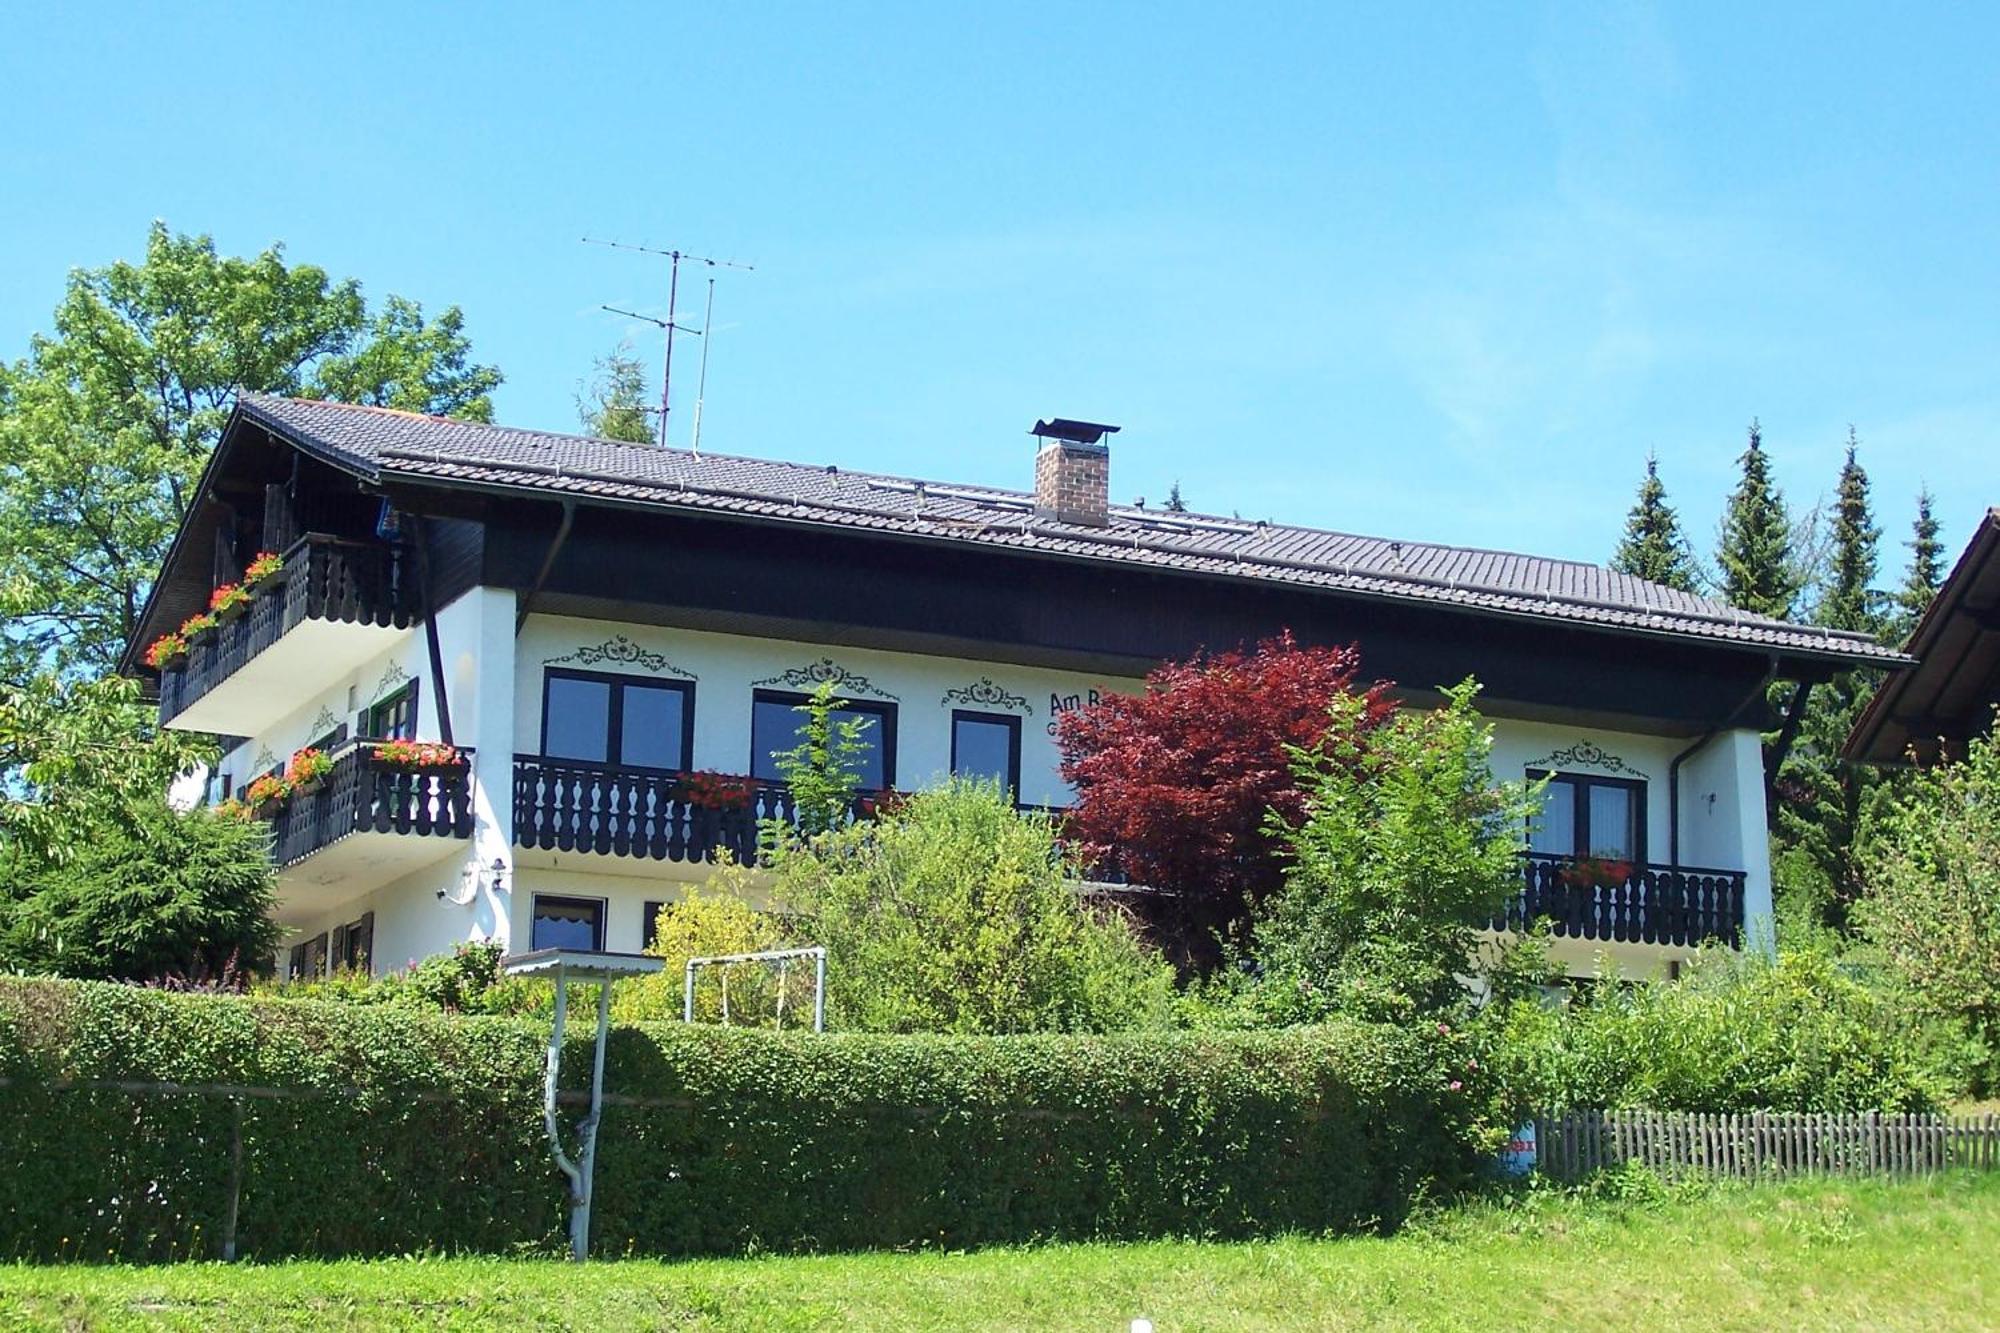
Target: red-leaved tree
pixel 1175 783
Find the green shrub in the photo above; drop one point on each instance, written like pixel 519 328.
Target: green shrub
pixel 1738 1033
pixel 155 894
pixel 1931 894
pixel 705 922
pixel 395 1130
pixel 1408 848
pixel 953 913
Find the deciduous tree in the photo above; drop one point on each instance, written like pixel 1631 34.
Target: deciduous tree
pixel 1409 845
pixel 1176 782
pixel 106 424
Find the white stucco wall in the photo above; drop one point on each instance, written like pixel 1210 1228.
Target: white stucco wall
pixel 495 681
pixel 727 668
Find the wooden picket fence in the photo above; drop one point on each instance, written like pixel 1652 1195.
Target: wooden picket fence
pixel 1574 1144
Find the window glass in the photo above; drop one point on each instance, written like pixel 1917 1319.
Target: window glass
pixel 1613 825
pixel 1554 830
pixel 395 717
pixel 987 748
pixel 576 721
pixel 775 725
pixel 568 923
pixel 650 730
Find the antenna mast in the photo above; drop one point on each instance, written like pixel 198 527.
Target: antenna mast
pixel 673 294
pixel 701 380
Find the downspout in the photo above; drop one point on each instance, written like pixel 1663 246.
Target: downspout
pixel 548 563
pixel 431 628
pixel 1795 713
pixel 1674 765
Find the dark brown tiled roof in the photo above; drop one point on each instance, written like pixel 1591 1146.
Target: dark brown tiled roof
pixel 381 443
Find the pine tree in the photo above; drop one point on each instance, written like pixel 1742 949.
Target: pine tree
pixel 1926 566
pixel 1175 505
pixel 1754 553
pixel 1847 601
pixel 1654 547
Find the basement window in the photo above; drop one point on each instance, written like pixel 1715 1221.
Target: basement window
pixel 567 923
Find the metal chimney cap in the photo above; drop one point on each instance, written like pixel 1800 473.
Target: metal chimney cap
pixel 1075 432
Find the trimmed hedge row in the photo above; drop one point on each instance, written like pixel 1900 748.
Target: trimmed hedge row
pixel 363 1130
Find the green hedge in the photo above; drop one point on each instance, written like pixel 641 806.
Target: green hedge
pixel 399 1131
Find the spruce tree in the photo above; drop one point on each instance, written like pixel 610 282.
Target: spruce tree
pixel 1759 573
pixel 1653 546
pixel 1175 505
pixel 1847 601
pixel 1820 801
pixel 1926 567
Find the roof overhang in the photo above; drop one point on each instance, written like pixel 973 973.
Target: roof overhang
pixel 1949 696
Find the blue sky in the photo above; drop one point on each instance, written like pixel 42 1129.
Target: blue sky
pixel 1443 275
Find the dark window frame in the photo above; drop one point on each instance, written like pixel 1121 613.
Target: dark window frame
pixel 884 714
pixel 602 905
pixel 614 722
pixel 1013 726
pixel 407 690
pixel 1580 785
pixel 649 924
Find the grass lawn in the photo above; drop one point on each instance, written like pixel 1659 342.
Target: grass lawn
pixel 1828 1254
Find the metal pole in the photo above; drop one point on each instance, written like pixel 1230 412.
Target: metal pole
pixel 579 1215
pixel 667 374
pixel 701 380
pixel 551 1070
pixel 687 994
pixel 819 991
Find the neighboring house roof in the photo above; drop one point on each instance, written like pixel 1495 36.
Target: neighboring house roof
pixel 1951 693
pixel 383 445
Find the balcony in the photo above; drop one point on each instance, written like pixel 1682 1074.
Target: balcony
pixel 565 806
pixel 335 605
pixel 1683 906
pixel 368 820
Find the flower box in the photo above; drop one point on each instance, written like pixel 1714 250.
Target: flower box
pixel 262 574
pixel 266 795
pixel 229 602
pixel 1596 872
pixel 198 628
pixel 417 757
pixel 706 790
pixel 169 652
pixel 307 771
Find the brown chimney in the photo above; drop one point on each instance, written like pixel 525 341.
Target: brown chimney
pixel 1073 472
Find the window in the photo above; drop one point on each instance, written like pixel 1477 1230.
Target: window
pixel 308 959
pixel 353 943
pixel 987 746
pixel 649 929
pixel 1591 816
pixel 622 720
pixel 394 717
pixel 567 923
pixel 775 724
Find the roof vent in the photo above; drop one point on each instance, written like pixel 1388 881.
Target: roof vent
pixel 1073 472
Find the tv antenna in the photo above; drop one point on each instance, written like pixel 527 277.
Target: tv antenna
pixel 668 324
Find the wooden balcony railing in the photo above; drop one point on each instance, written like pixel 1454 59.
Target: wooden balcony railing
pixel 324 578
pixel 1653 904
pixel 360 795
pixel 564 805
